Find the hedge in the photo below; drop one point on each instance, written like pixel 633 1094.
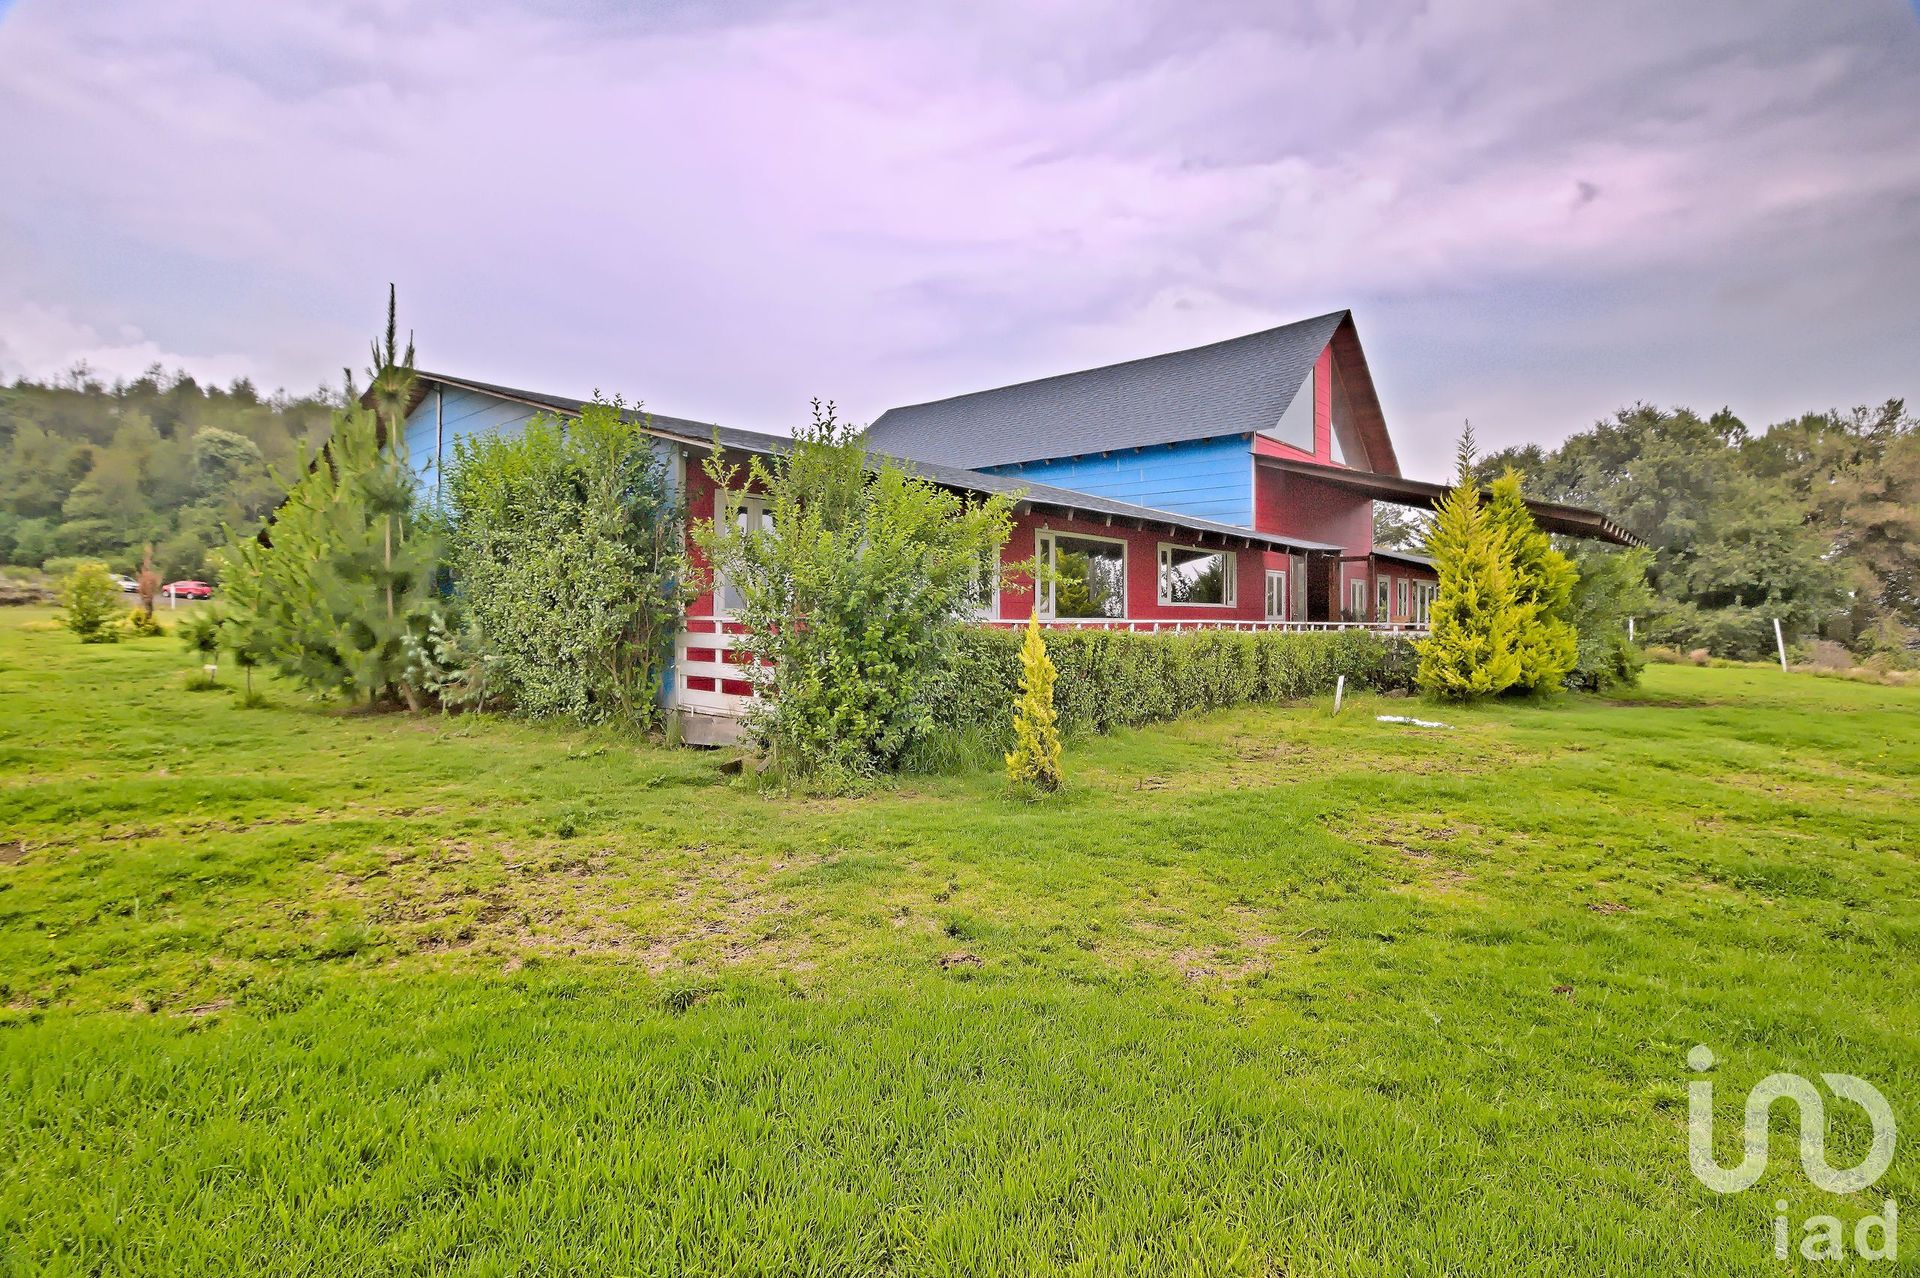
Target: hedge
pixel 1115 679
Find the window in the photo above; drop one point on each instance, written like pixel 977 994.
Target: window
pixel 1383 591
pixel 752 515
pixel 1276 596
pixel 1088 577
pixel 1189 576
pixel 1357 594
pixel 983 603
pixel 1406 597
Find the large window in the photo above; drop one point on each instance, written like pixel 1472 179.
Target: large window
pixel 1382 594
pixel 1406 597
pixel 1088 576
pixel 1189 576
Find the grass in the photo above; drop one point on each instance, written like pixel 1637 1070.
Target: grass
pixel 294 990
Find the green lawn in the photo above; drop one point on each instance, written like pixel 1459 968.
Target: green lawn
pixel 1272 992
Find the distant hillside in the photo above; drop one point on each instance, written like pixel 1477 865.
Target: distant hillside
pixel 97 471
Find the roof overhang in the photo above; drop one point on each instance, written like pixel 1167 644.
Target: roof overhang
pixel 1570 521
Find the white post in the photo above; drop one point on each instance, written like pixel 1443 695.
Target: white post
pixel 173 600
pixel 1339 691
pixel 1629 629
pixel 1780 641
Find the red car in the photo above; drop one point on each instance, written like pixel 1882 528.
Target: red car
pixel 188 590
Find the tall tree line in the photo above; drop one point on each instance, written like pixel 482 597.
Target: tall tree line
pixel 1815 521
pixel 99 471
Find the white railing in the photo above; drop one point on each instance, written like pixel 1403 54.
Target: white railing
pixel 707 635
pixel 1150 627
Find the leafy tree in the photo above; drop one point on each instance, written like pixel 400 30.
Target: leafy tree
pixel 1035 757
pixel 90 600
pixel 1472 643
pixel 1543 583
pixel 850 598
pixel 1612 587
pixel 566 549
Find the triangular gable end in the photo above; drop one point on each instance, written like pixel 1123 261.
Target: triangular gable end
pixel 1358 424
pixel 1335 414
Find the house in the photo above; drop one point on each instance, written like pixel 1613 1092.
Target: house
pixel 1230 485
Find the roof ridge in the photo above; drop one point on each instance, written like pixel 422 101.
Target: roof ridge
pixel 1128 363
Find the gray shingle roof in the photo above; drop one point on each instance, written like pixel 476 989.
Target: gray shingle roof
pixel 1239 386
pixel 1039 495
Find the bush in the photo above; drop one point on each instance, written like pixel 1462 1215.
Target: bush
pixel 1611 588
pixel 91 600
pixel 565 546
pixel 1119 679
pixel 849 598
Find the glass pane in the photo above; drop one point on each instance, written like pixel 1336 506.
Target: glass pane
pixel 1090 578
pixel 1195 576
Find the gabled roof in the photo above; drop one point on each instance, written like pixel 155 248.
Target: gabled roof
pixel 1557 517
pixel 1042 497
pixel 1237 387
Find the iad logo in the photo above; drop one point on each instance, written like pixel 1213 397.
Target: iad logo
pixel 1823 1237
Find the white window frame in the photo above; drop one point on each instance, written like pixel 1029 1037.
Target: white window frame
pixel 1045 547
pixel 1357 597
pixel 1382 597
pixel 1230 581
pixel 752 506
pixel 1277 588
pixel 1404 593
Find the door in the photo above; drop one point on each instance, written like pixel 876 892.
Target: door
pixel 1276 596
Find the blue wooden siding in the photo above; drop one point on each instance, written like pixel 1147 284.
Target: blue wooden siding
pixel 463 412
pixel 1208 478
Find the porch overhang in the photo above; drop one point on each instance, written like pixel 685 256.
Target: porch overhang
pixel 1570 521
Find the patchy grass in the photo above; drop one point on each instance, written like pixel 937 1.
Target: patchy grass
pixel 294 990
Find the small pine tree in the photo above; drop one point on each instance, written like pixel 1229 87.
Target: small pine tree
pixel 1471 648
pixel 1035 759
pixel 1543 582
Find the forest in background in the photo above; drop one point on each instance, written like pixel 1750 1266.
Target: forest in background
pixel 97 471
pixel 1815 521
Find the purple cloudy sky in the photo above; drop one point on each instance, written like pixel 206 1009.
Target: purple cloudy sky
pixel 1538 212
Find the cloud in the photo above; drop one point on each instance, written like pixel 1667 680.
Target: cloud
pixel 42 343
pixel 1544 212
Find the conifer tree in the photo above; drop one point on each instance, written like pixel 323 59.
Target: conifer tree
pixel 348 582
pixel 1543 582
pixel 1471 648
pixel 1035 759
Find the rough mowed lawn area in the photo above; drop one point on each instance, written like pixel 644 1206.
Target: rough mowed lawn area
pixel 296 991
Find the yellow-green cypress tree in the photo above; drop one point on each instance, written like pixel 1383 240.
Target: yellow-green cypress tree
pixel 1472 644
pixel 1035 758
pixel 1543 582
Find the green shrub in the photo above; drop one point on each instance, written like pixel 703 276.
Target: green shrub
pixel 1120 679
pixel 1612 587
pixel 90 598
pixel 848 597
pixel 565 547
